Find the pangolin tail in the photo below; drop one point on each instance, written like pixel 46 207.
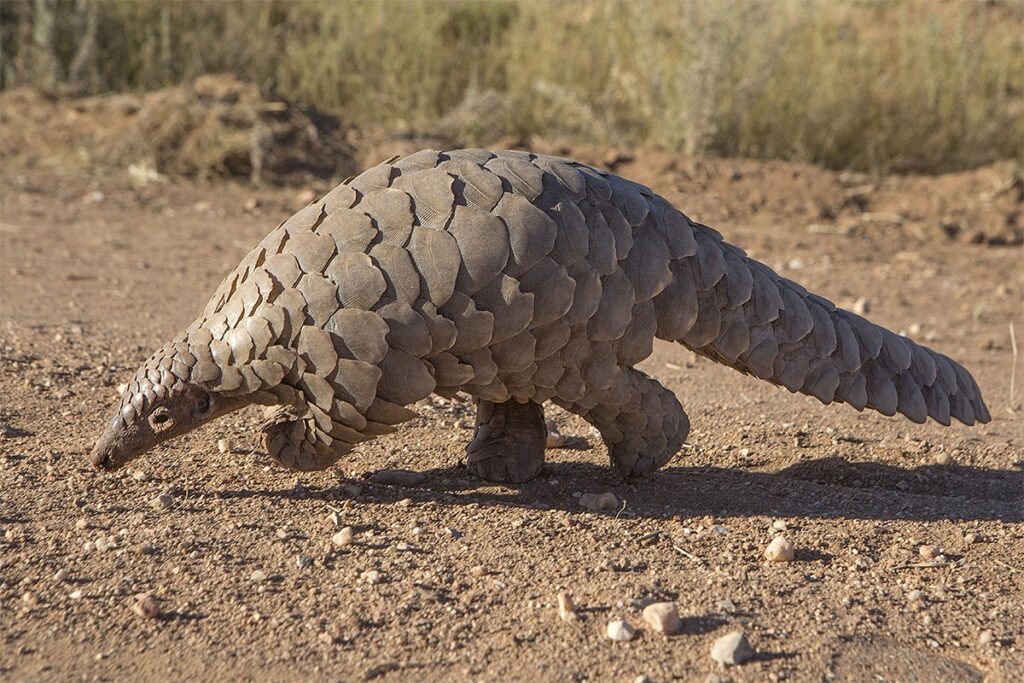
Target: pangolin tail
pixel 737 311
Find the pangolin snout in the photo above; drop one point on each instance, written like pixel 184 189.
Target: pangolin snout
pixel 101 457
pixel 106 453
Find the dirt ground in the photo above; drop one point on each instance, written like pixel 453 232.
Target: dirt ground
pixel 99 270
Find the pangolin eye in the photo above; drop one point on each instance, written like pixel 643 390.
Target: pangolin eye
pixel 161 418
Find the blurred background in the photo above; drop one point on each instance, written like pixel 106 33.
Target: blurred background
pixel 265 89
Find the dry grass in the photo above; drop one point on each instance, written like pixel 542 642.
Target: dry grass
pixel 905 86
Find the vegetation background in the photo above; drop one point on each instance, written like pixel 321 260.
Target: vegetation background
pixel 894 86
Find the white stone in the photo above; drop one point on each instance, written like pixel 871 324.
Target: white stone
pixel 620 631
pixel 662 617
pixel 343 537
pixel 780 550
pixel 732 648
pixel 566 608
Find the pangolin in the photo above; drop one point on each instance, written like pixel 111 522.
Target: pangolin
pixel 515 278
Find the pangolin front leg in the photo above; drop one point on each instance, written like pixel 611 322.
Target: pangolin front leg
pixel 509 441
pixel 291 439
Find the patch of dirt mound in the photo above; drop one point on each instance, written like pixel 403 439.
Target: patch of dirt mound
pixel 215 127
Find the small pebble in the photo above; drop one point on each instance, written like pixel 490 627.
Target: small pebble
pixel 403 547
pixel 971 538
pixel 986 637
pixel 398 477
pixel 779 525
pixel 372 577
pixel 943 458
pixel 620 631
pixel 726 605
pixel 599 501
pixel 732 648
pixel 225 445
pixel 258 576
pixel 165 501
pixel 566 608
pixel 343 537
pixel 103 544
pixel 75 595
pixel 303 561
pixel 915 596
pixel 556 440
pixel 147 606
pixel 478 570
pixel 929 552
pixel 780 550
pixel 82 523
pixel 61 575
pixel 861 306
pixel 662 617
pixel 139 475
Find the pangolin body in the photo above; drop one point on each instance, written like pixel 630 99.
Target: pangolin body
pixel 516 278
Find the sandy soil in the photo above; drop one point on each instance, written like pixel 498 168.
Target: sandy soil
pixel 97 271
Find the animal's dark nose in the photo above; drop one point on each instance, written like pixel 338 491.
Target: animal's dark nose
pixel 103 450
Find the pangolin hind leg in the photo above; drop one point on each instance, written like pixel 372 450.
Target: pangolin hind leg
pixel 509 441
pixel 641 422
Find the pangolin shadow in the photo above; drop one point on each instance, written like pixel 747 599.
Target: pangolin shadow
pixel 824 488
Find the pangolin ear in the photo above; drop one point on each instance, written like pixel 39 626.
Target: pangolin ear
pixel 202 403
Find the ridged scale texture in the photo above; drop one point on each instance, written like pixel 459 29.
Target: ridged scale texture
pixel 511 275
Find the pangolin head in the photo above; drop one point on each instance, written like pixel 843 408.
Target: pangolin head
pixel 164 400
